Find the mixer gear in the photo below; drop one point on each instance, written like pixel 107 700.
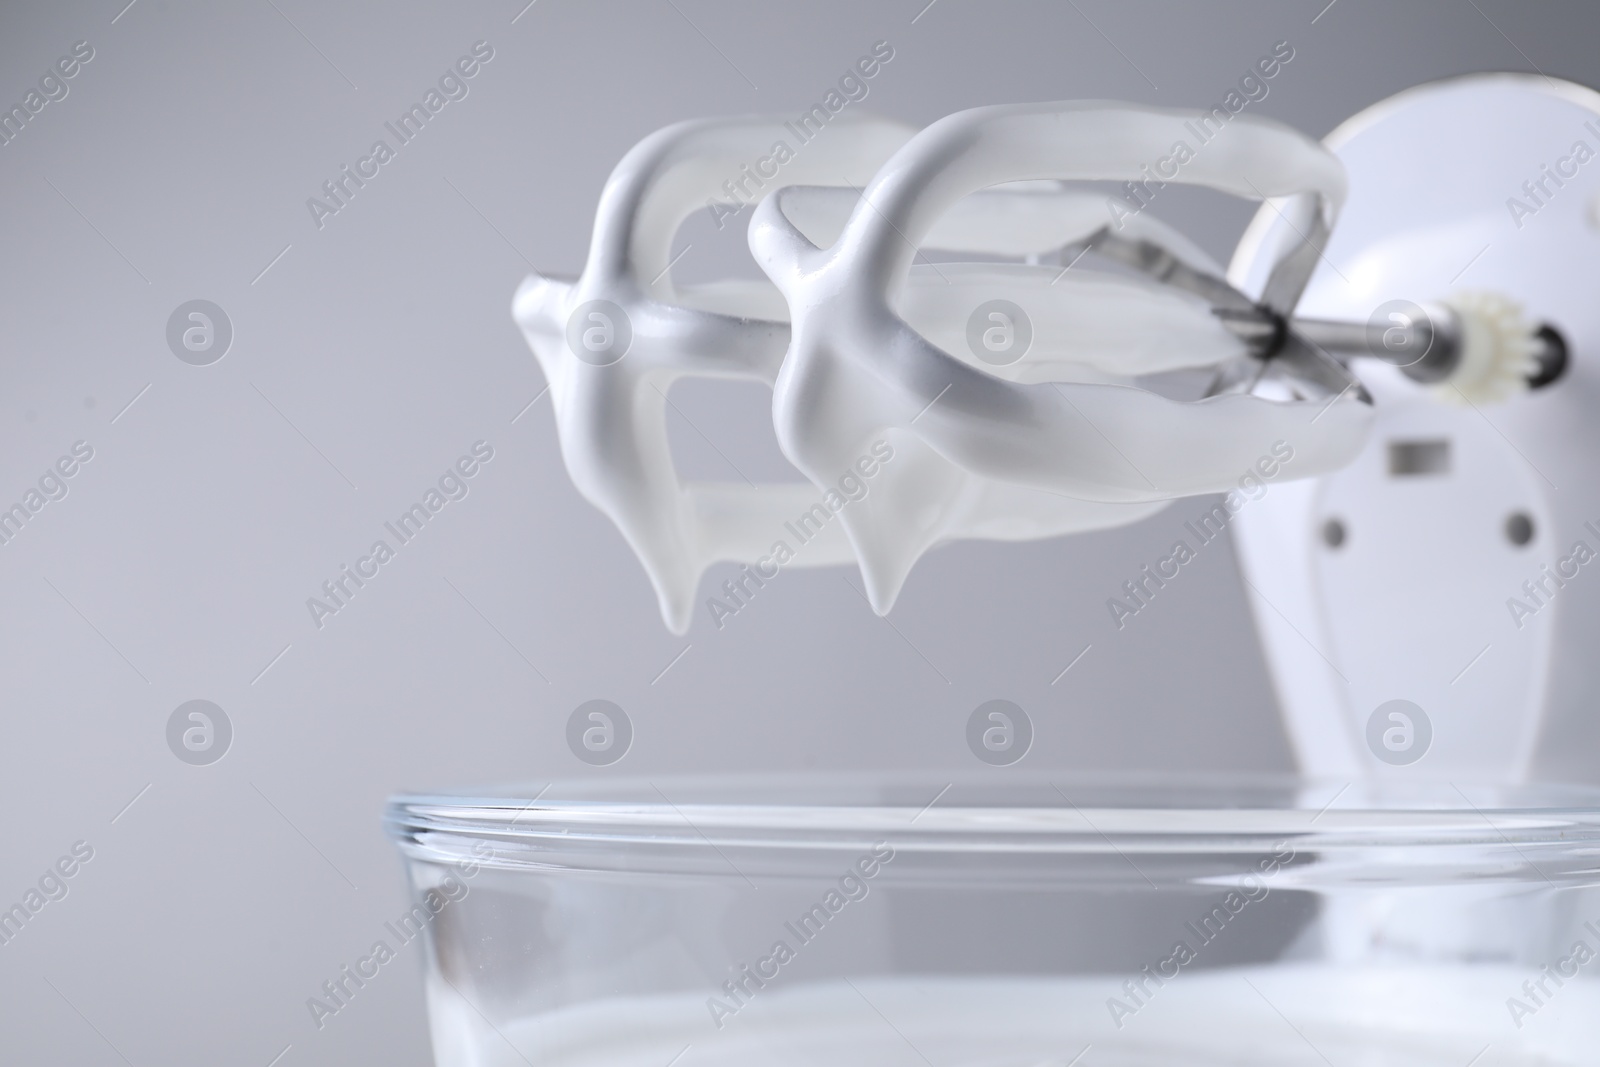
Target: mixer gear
pixel 1498 346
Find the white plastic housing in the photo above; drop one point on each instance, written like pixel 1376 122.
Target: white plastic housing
pixel 1419 601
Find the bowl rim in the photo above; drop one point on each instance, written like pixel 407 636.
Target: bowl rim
pixel 1547 831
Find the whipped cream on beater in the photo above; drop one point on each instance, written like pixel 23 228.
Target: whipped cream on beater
pixel 862 346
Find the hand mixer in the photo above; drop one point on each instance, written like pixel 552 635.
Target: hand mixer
pixel 1441 567
pixel 1426 489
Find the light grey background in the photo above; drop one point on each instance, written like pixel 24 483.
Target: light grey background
pixel 378 349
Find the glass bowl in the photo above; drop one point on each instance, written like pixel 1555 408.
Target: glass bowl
pixel 1007 919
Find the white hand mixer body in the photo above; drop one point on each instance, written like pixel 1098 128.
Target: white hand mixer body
pixel 1446 565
